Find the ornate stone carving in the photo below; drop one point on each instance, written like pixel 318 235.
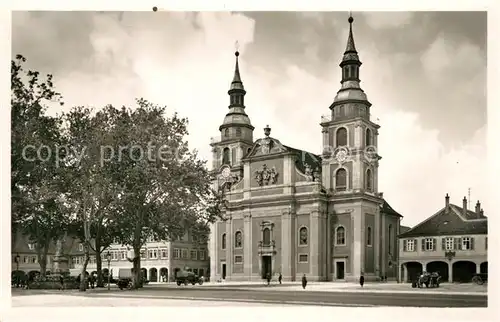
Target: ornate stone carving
pixel 303 236
pixel 308 172
pixel 266 176
pixel 317 175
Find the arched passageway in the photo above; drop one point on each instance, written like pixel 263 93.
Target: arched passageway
pixel 483 268
pixel 153 275
pixel 144 273
pixel 439 267
pixel 164 274
pixel 414 269
pixel 463 271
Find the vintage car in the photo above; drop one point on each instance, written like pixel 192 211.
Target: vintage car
pixel 125 278
pixel 427 279
pixel 187 277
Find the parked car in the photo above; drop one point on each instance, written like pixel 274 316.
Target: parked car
pixel 125 279
pixel 186 277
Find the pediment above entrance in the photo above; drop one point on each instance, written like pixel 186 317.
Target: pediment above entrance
pixel 266 146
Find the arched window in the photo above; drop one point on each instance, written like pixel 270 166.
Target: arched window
pixel 248 150
pixel 340 236
pixel 303 236
pixel 390 239
pixel 341 180
pixel 226 132
pixel 266 236
pixel 369 180
pixel 341 137
pixel 369 236
pixel 368 137
pixel 223 241
pixel 238 131
pixel 238 240
pixel 225 156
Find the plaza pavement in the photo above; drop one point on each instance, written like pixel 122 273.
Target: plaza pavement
pixel 387 287
pixel 63 300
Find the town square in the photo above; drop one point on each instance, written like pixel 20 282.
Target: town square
pixel 237 165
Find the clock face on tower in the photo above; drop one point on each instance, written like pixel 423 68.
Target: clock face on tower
pixel 226 172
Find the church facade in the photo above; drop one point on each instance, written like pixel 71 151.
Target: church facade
pixel 294 212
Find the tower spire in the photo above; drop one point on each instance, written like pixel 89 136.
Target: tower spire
pixel 237 83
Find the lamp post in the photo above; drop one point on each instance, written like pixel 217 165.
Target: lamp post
pixel 17 269
pixel 108 257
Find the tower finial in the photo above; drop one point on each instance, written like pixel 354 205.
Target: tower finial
pixel 351 19
pixel 236 83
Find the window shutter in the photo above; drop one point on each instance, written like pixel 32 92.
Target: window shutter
pixel 456 243
pixel 443 243
pixel 423 245
pixel 405 245
pixel 415 245
pixel 472 243
pixel 434 242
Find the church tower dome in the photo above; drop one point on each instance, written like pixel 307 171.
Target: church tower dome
pixel 236 117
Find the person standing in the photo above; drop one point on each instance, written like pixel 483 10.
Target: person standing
pixel 280 278
pixel 361 280
pixel 304 281
pixel 268 278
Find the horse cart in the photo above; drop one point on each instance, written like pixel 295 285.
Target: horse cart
pixel 428 279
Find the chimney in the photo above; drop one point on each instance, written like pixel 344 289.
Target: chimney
pixel 464 210
pixel 447 201
pixel 481 213
pixel 478 208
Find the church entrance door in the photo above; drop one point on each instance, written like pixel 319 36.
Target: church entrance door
pixel 266 266
pixel 340 269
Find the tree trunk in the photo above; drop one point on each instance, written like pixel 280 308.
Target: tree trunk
pixel 137 274
pixel 42 258
pixel 83 279
pixel 98 261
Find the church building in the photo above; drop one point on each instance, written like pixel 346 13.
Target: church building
pixel 294 212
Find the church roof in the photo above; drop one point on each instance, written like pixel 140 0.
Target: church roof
pixel 450 221
pixel 387 209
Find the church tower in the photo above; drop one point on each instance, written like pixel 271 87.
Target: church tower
pixel 236 136
pixel 350 175
pixel 349 136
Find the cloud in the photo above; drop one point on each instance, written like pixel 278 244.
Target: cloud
pixel 395 19
pixel 186 61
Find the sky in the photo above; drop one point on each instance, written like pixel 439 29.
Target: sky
pixel 424 73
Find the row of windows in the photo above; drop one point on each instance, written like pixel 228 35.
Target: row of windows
pixel 350 71
pixel 237 132
pixel 302 258
pixel 29 259
pixel 341 180
pixel 447 244
pixel 236 99
pixel 342 140
pixel 340 237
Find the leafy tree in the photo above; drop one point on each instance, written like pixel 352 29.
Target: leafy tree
pixel 166 188
pixel 92 188
pixel 37 188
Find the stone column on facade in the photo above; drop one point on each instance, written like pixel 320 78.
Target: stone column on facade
pixel 377 242
pixel 383 250
pixel 246 181
pixel 314 244
pixel 286 245
pixel 478 268
pixel 329 247
pixel 288 168
pixel 229 247
pixel 214 251
pixel 247 246
pixel 450 271
pixel 405 274
pixel 357 244
pixel 362 241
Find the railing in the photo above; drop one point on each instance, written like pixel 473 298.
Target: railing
pixel 328 118
pixel 267 248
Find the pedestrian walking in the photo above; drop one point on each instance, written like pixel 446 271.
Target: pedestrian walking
pixel 361 280
pixel 92 280
pixel 280 278
pixel 304 281
pixel 268 278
